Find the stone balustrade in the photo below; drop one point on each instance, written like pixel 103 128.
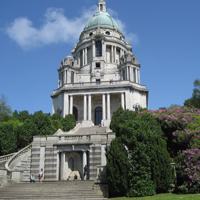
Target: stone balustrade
pixel 98 84
pixel 6 157
pixel 10 163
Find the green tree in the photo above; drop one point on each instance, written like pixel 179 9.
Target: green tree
pixel 26 131
pixel 150 170
pixel 119 117
pixel 194 102
pixel 117 168
pixel 68 122
pixel 5 110
pixel 56 116
pixel 8 143
pixel 43 123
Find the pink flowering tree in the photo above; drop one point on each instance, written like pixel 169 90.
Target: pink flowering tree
pixel 189 170
pixel 181 130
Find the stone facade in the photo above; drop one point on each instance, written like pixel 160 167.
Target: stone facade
pixel 101 75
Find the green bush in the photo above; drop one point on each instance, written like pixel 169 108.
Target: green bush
pixel 117 168
pixel 150 170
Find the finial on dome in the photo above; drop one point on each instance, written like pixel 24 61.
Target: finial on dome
pixel 101 6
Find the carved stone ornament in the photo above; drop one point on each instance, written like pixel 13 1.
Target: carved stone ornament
pixel 97 74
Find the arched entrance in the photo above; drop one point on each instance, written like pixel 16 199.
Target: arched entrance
pixel 75 113
pixel 98 115
pixel 71 164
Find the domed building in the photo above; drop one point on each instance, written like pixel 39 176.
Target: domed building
pixel 101 75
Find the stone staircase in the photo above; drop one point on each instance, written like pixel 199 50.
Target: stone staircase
pixel 24 165
pixel 91 130
pixel 50 190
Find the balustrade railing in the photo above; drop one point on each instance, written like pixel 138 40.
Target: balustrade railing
pixel 15 156
pixel 6 157
pixel 101 83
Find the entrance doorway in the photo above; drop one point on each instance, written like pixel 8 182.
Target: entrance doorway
pixel 98 115
pixel 75 113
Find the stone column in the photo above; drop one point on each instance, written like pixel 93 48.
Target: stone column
pixel 68 76
pixel 115 54
pixel 89 107
pixel 83 56
pixel 104 106
pixel 85 107
pixel 112 56
pixel 65 104
pixel 64 77
pixel 62 165
pixel 58 166
pixel 84 159
pixel 71 105
pixel 86 55
pixel 121 74
pixel 79 59
pixel 122 100
pixel 108 106
pixel 136 76
pixel 127 73
pixel 120 55
pixel 93 49
pixel 103 49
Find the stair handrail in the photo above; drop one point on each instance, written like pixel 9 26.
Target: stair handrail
pixel 16 155
pixel 6 157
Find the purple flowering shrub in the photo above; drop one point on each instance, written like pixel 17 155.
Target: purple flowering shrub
pixel 181 130
pixel 189 170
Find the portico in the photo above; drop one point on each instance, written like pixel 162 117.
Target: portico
pixel 71 158
pixel 83 105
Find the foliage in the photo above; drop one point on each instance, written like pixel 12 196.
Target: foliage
pixel 181 130
pixel 21 116
pixel 150 169
pixel 26 131
pixel 43 123
pixel 117 168
pixel 189 170
pixel 56 116
pixel 119 117
pixel 194 102
pixel 68 122
pixel 8 137
pixel 5 110
pixel 18 132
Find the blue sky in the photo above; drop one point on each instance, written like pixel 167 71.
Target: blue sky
pixel 36 34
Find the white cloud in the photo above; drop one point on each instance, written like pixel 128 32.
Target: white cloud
pixel 56 28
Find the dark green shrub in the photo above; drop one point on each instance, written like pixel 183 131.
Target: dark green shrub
pixel 117 168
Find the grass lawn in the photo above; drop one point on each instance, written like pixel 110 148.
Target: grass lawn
pixel 168 196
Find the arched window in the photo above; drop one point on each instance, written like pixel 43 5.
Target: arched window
pixel 98 49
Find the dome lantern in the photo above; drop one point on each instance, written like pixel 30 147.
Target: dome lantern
pixel 101 18
pixel 101 6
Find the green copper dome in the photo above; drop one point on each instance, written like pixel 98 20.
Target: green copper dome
pixel 101 19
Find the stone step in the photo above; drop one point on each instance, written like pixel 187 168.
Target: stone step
pixel 50 190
